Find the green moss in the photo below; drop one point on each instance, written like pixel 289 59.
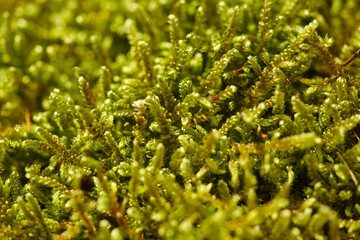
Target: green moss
pixel 179 119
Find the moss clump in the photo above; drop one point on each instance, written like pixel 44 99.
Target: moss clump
pixel 173 119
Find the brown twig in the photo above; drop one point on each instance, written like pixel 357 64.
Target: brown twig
pixel 238 70
pixel 349 170
pixel 349 141
pixel 357 137
pixel 289 79
pixel 27 119
pixel 351 59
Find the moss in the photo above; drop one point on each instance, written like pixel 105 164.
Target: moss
pixel 179 119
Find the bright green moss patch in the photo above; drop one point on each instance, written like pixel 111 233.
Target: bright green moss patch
pixel 179 119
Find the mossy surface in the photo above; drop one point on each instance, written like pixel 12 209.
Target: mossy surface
pixel 170 119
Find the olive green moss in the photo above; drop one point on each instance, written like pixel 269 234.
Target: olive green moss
pixel 179 119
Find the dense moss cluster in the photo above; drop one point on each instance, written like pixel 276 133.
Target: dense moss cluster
pixel 175 119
